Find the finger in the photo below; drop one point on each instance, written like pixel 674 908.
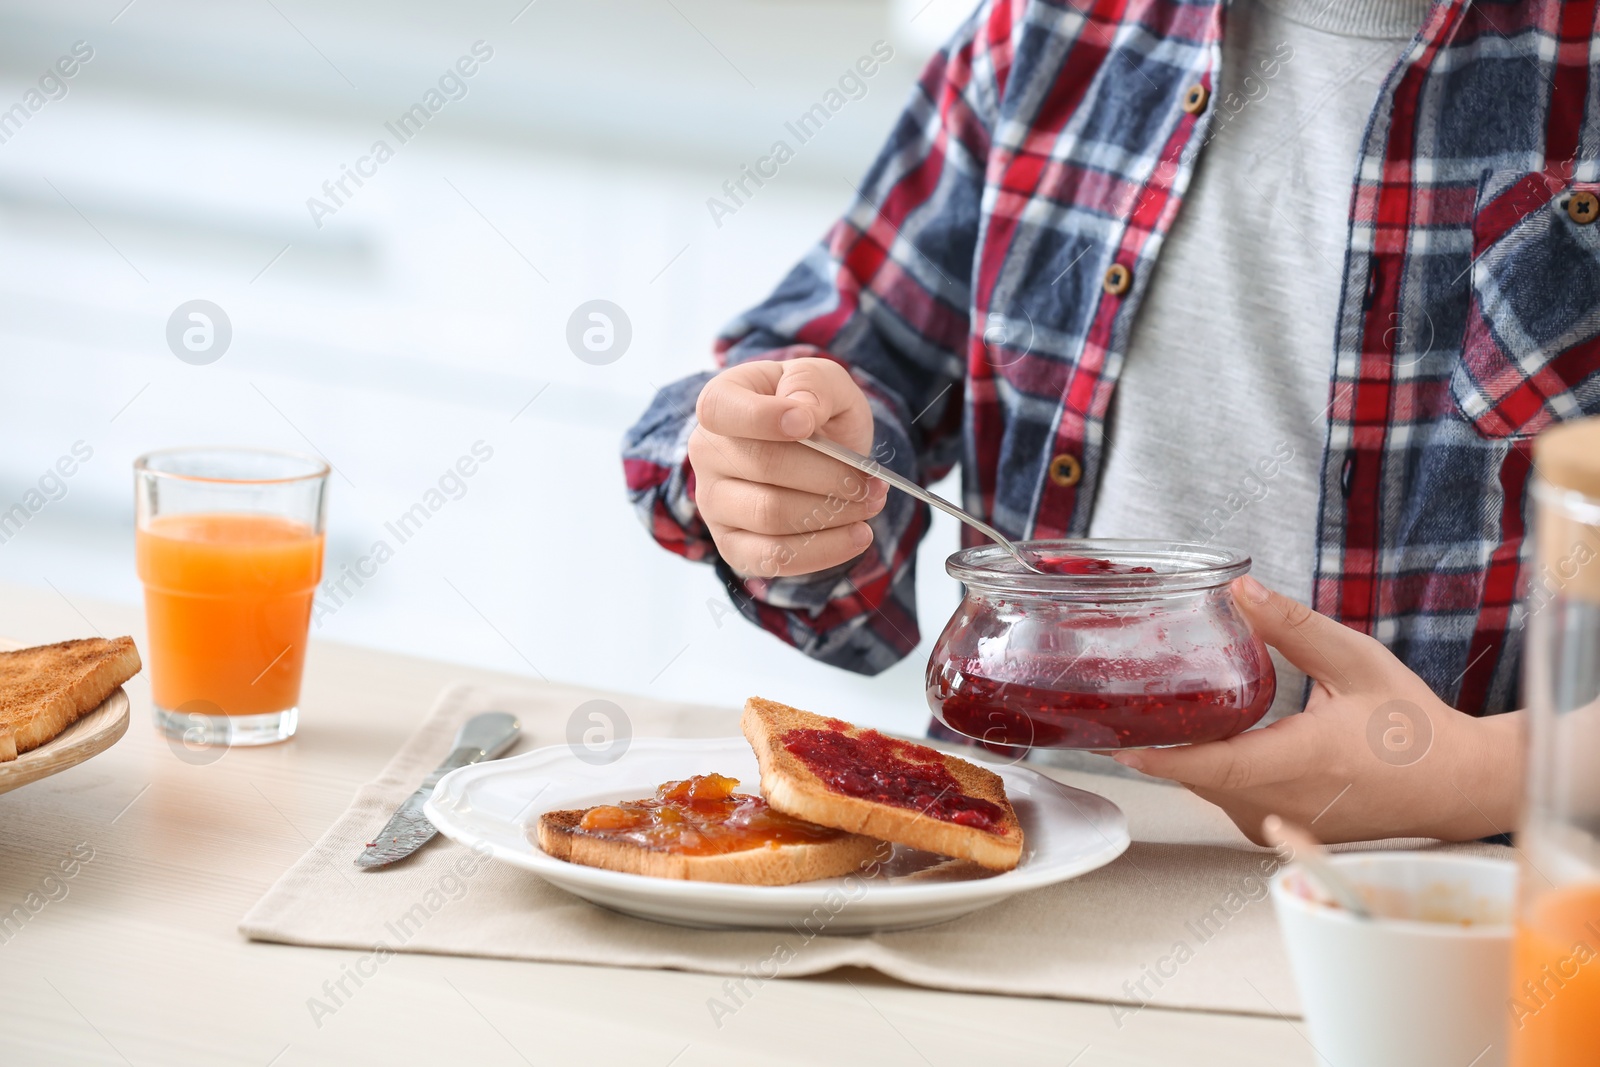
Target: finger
pixel 769 509
pixel 1255 757
pixel 765 556
pixel 827 401
pixel 742 402
pixel 1328 652
pixel 781 463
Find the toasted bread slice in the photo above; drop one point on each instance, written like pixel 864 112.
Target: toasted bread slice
pixel 794 788
pixel 560 837
pixel 45 689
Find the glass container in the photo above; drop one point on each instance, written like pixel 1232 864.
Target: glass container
pixel 1555 986
pixel 1125 644
pixel 229 548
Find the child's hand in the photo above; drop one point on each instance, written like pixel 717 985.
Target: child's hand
pixel 775 507
pixel 1375 754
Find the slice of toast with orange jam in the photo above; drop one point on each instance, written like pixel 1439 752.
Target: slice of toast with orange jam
pixel 701 830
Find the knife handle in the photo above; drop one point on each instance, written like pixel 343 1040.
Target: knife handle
pixel 483 737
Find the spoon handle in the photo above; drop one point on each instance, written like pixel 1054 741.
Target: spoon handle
pixel 1313 859
pixel 866 465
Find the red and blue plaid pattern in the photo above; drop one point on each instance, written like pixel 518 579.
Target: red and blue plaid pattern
pixel 964 288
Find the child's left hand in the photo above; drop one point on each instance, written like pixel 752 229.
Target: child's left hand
pixel 1374 754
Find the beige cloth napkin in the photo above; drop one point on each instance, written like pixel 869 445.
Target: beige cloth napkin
pixel 1181 920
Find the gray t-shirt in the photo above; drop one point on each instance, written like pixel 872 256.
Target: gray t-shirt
pixel 1219 422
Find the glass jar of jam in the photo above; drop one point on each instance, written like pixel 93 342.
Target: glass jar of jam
pixel 1123 644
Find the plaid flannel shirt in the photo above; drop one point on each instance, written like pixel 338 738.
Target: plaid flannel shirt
pixel 972 290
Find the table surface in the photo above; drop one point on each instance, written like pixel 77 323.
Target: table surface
pixel 136 959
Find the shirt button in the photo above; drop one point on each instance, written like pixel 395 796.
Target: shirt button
pixel 1195 100
pixel 1583 207
pixel 1065 470
pixel 1118 279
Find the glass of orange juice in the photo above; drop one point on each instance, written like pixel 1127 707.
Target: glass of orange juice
pixel 1554 1000
pixel 229 548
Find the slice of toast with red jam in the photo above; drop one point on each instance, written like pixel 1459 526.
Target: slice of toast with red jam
pixel 834 774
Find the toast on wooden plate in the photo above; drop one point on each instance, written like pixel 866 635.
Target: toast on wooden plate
pixel 45 689
pixel 829 772
pixel 693 842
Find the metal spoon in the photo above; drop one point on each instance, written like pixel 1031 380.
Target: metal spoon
pixel 869 466
pixel 1313 859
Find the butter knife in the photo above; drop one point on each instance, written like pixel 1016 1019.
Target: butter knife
pixel 483 737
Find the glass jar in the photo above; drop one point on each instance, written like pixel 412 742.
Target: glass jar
pixel 1555 984
pixel 1126 644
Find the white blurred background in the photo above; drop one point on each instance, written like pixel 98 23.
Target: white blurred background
pixel 430 311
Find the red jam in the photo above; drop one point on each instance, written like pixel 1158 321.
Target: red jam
pixel 700 816
pixel 1029 712
pixel 870 766
pixel 1084 565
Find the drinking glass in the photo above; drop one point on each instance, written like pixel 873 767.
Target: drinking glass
pixel 229 548
pixel 1555 986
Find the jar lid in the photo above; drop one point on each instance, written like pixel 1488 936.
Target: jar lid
pixel 1568 456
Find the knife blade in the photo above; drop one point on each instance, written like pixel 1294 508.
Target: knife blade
pixel 483 737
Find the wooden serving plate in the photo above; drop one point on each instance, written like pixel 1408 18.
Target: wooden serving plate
pixel 90 735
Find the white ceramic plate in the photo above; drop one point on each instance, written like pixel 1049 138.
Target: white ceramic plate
pixel 1067 832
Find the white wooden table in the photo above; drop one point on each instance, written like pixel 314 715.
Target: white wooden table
pixel 135 959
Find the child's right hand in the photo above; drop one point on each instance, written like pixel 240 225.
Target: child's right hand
pixel 775 507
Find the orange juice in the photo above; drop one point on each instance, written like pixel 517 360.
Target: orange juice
pixel 1555 994
pixel 228 604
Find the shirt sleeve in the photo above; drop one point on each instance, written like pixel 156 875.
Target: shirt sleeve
pixel 885 293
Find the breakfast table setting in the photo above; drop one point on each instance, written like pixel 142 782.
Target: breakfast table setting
pixel 227 841
pixel 220 916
